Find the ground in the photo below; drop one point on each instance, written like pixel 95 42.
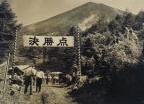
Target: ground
pixel 57 95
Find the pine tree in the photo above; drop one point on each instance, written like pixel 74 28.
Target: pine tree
pixel 139 21
pixel 8 26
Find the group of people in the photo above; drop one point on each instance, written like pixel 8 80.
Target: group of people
pixel 33 80
pixel 28 81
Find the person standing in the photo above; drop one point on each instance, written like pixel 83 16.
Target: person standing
pixel 48 78
pixel 29 73
pixel 28 83
pixel 39 78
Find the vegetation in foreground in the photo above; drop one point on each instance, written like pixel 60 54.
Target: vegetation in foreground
pixel 113 52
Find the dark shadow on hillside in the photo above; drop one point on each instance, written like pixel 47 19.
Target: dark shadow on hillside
pixel 88 96
pixel 120 91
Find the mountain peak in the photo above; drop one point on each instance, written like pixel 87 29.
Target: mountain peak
pixel 87 13
pixel 89 3
pixel 94 4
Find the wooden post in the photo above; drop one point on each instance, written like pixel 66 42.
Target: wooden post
pixel 78 51
pixel 13 52
pixel 5 81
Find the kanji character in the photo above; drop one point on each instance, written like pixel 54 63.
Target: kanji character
pixel 33 41
pixel 63 42
pixel 48 41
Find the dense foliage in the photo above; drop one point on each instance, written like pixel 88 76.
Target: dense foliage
pixel 8 27
pixel 113 52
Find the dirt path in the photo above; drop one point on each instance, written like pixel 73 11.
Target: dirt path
pixel 57 95
pixel 60 96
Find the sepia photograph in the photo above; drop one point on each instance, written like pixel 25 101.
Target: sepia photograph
pixel 71 52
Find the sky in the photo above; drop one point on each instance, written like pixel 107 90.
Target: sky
pixel 32 11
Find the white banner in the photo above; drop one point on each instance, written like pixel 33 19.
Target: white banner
pixel 48 41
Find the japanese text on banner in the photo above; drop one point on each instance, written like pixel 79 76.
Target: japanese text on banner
pixel 48 41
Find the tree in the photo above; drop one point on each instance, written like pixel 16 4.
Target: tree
pixel 8 25
pixel 102 25
pixel 68 57
pixel 116 25
pixel 8 22
pixel 139 21
pixel 129 20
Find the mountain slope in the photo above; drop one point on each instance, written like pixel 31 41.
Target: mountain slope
pixel 83 16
